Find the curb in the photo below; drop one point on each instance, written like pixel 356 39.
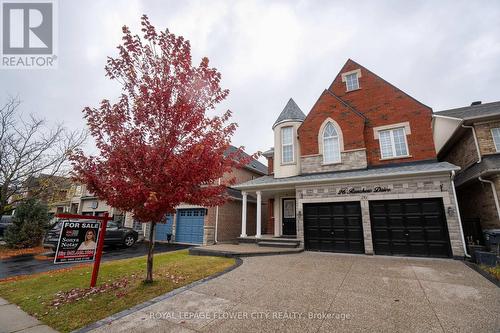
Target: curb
pixel 155 300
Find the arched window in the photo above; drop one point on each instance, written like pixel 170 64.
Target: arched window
pixel 331 144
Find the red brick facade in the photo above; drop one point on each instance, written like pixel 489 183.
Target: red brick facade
pixel 379 104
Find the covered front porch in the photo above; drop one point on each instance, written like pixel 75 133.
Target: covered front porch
pixel 282 215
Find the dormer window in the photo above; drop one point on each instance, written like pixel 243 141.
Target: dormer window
pixel 331 144
pixel 351 79
pixel 287 145
pixel 351 82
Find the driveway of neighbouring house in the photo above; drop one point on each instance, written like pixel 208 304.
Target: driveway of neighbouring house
pixel 31 264
pixel 343 293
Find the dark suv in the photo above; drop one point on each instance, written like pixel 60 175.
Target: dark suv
pixel 116 234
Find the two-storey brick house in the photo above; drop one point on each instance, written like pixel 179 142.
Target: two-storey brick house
pixel 470 138
pixel 359 174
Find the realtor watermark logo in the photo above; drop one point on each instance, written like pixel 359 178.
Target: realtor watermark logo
pixel 29 34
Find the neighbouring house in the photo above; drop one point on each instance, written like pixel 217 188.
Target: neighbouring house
pixel 54 191
pixel 208 225
pixel 358 174
pixel 74 198
pixel 470 138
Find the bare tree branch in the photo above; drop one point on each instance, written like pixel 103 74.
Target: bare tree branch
pixel 28 149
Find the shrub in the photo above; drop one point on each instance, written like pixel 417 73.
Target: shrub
pixel 30 221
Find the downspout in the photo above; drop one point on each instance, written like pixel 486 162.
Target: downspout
pixel 495 196
pixel 479 158
pixel 458 213
pixel 216 219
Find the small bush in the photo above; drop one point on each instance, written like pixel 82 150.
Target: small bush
pixel 29 224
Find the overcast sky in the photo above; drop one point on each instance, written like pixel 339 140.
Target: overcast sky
pixel 444 53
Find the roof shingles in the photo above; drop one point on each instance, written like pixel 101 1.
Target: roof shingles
pixel 472 111
pixel 290 112
pixel 403 170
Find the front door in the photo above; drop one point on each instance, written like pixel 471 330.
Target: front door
pixel 288 221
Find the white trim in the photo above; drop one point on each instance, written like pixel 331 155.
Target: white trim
pixel 282 145
pixel 393 144
pixel 287 121
pixel 320 140
pixel 495 195
pixel 479 156
pixel 446 117
pixel 377 129
pixel 497 148
pixel 344 78
pixel 327 180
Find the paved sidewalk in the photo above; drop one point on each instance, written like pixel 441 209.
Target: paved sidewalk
pixel 13 319
pixel 320 292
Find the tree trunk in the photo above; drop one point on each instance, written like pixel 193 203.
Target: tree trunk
pixel 149 274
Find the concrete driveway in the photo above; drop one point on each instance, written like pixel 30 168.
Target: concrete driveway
pixel 319 292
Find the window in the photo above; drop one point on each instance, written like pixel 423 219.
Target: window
pixel 495 132
pixel 393 143
pixel 331 144
pixel 287 145
pixel 351 81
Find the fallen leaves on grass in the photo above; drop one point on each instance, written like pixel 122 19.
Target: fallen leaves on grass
pixel 5 252
pixel 76 294
pixel 495 271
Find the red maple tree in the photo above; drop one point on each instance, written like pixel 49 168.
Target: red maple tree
pixel 158 148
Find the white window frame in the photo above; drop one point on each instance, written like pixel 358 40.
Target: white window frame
pixel 357 72
pixel 339 159
pixel 290 144
pixel 393 144
pixel 497 144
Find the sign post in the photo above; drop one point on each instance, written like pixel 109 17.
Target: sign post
pixel 72 247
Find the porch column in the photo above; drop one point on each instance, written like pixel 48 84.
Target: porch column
pixel 244 215
pixel 259 217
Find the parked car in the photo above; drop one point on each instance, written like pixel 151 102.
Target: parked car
pixel 116 234
pixel 5 222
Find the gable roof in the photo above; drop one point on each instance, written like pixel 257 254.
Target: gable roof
pixel 472 111
pixel 253 165
pixel 290 112
pixel 376 75
pixel 347 105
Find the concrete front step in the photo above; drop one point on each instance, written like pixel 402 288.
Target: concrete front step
pixel 279 244
pixel 241 250
pixel 269 240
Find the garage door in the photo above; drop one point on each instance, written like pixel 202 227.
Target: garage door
pixel 164 229
pixel 333 227
pixel 189 226
pixel 410 228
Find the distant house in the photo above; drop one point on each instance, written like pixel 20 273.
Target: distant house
pixel 470 138
pixel 193 224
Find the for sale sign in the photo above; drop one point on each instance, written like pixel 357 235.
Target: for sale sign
pixel 77 242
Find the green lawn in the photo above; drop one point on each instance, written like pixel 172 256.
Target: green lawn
pixel 171 270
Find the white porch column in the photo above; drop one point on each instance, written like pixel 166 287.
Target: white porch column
pixel 244 215
pixel 259 222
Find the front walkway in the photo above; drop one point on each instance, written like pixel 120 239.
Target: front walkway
pixel 13 319
pixel 320 292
